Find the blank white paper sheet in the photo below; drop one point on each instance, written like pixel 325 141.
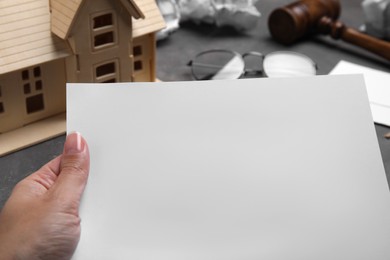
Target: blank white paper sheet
pixel 378 88
pixel 247 169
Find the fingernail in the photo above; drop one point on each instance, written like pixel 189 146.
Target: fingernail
pixel 74 144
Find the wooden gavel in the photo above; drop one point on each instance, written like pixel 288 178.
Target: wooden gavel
pixel 294 21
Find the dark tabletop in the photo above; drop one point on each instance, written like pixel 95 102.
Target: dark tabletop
pixel 174 53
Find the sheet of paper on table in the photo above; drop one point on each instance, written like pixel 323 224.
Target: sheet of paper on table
pixel 240 169
pixel 378 88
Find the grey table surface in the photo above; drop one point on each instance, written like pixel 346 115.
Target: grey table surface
pixel 174 52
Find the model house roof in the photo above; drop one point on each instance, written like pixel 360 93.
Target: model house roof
pixel 64 13
pixel 153 19
pixel 25 36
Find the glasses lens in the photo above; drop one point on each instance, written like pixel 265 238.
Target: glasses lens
pixel 288 64
pixel 218 64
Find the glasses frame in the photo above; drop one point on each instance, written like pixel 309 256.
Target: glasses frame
pixel 245 70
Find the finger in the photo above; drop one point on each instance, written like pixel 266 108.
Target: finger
pixel 53 166
pixel 40 181
pixel 74 169
pixel 35 185
pixel 47 175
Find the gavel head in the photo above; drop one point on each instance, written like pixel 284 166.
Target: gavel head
pixel 290 23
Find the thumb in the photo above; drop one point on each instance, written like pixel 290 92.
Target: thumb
pixel 74 169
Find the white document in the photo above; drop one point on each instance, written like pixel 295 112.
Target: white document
pixel 378 88
pixel 231 170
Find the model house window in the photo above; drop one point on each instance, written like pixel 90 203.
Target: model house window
pixel 137 53
pixel 103 31
pixel 1 102
pixel 27 88
pixel 102 21
pixel 105 69
pixel 25 75
pixel 107 72
pixel 138 65
pixel 103 39
pixel 37 72
pixel 137 50
pixel 33 89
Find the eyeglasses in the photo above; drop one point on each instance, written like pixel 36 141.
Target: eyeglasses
pixel 227 64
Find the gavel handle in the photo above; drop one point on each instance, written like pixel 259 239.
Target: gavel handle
pixel 338 30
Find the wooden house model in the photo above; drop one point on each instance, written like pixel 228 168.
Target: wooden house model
pixel 46 43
